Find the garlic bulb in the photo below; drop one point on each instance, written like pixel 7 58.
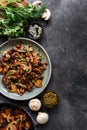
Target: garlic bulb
pixel 34 104
pixel 42 117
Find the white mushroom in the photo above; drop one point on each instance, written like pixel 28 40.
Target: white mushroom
pixel 37 3
pixel 42 117
pixel 46 15
pixel 34 104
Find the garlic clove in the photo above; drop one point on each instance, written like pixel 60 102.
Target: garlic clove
pixel 34 104
pixel 46 15
pixel 37 3
pixel 42 118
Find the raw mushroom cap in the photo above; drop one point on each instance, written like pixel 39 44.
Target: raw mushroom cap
pixel 35 104
pixel 46 15
pixel 42 118
pixel 37 3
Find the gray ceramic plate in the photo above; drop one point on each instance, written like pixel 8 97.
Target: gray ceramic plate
pixel 47 73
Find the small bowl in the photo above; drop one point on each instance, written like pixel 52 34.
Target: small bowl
pixel 35 31
pixel 50 99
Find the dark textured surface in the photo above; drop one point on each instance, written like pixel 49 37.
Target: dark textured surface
pixel 65 38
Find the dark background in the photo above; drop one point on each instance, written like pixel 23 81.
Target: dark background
pixel 65 37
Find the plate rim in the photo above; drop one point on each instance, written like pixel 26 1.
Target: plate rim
pixel 50 70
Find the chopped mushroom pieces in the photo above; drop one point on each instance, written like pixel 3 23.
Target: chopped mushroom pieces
pixel 23 68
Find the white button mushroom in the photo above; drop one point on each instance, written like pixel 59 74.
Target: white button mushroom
pixel 42 118
pixel 34 104
pixel 37 3
pixel 46 15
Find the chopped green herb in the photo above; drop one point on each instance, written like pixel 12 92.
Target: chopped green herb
pixel 19 81
pixel 42 57
pixel 10 83
pixel 25 71
pixel 32 81
pixel 30 50
pixel 39 49
pixel 30 77
pixel 5 65
pixel 22 76
pixel 16 56
pixel 10 73
pixel 21 56
pixel 8 66
pixel 19 1
pixel 9 1
pixel 22 59
pixel 30 44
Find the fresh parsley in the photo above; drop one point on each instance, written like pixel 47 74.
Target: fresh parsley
pixel 13 19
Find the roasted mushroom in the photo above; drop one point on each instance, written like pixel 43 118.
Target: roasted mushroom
pixel 23 68
pixel 11 127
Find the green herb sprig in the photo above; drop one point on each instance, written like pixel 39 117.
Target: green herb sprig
pixel 13 19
